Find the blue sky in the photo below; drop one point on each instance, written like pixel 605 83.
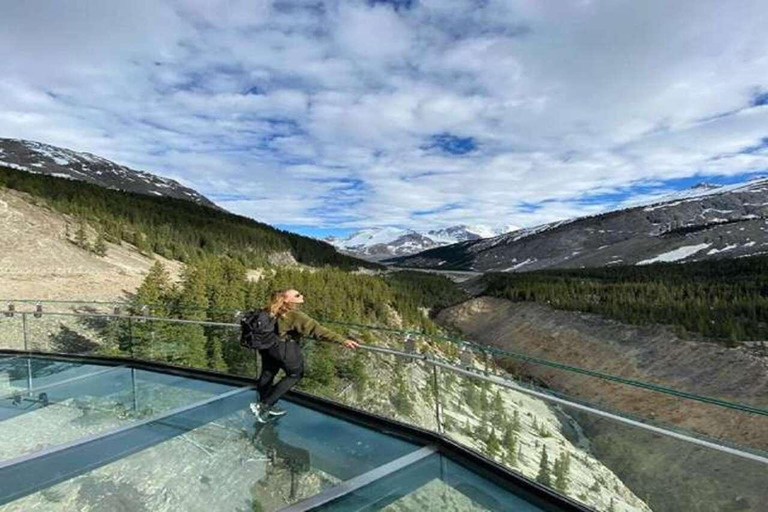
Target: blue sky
pixel 323 117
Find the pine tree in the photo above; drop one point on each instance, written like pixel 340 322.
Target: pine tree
pixel 561 471
pixel 100 246
pixel 189 339
pixel 81 238
pixel 492 444
pixel 142 243
pixel 510 444
pixel 497 406
pixel 516 421
pixel 484 400
pixel 226 279
pixel 544 476
pixel 149 335
pixel 154 288
pixel 472 397
pixel 400 398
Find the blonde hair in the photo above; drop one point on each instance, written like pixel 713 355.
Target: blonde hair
pixel 277 305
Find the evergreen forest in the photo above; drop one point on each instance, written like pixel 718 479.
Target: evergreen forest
pixel 717 300
pixel 173 228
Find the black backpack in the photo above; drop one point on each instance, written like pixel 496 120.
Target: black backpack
pixel 258 330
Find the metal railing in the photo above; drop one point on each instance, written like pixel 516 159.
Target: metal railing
pixel 446 406
pixel 466 346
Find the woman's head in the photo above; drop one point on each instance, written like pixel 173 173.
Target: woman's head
pixel 282 301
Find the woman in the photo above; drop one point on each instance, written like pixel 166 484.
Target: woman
pixel 286 355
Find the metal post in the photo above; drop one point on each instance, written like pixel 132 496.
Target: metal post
pixel 26 331
pixel 29 374
pixel 133 386
pixel 436 382
pixel 130 338
pixel 410 344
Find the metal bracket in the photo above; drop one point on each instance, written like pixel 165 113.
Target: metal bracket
pixel 11 310
pixel 409 345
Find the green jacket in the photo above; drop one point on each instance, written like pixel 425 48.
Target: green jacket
pixel 296 325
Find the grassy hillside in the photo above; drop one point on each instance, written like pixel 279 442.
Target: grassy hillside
pixel 724 300
pixel 174 228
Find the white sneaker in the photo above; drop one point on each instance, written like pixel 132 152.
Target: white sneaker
pixel 262 414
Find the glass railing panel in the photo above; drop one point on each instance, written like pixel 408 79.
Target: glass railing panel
pixel 23 373
pixel 667 474
pixel 193 345
pixel 651 402
pixel 502 425
pixel 11 331
pixel 604 463
pixel 379 383
pixel 68 334
pixel 88 401
pixel 216 458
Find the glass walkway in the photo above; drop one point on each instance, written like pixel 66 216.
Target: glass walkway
pixel 81 436
pixel 106 408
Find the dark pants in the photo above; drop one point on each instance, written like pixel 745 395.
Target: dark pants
pixel 286 356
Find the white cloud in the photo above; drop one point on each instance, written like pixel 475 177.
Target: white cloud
pixel 321 113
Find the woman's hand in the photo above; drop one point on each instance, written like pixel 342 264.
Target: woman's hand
pixel 350 343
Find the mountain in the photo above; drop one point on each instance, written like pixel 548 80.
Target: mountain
pixel 376 244
pixel 177 229
pixel 705 222
pixel 39 158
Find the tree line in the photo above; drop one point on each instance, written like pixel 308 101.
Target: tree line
pixel 173 228
pixel 718 300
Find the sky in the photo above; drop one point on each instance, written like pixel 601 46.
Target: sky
pixel 325 117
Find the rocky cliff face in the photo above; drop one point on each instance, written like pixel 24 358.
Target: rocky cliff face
pixel 36 157
pixel 719 222
pixel 666 473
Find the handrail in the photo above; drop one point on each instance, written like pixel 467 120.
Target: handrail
pixel 475 348
pixel 499 381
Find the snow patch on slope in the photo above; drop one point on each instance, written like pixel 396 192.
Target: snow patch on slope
pixel 678 254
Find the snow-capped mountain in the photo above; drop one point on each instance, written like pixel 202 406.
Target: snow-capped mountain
pixel 381 243
pixel 703 222
pixel 39 158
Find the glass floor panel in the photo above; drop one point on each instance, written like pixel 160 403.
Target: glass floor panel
pixel 215 457
pixel 434 483
pixel 90 400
